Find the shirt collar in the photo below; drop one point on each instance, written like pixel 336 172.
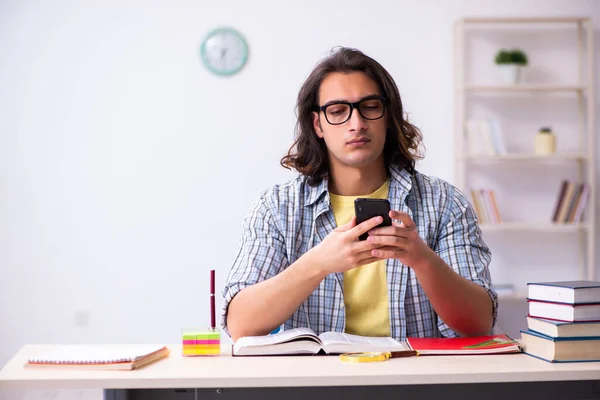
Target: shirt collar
pixel 316 192
pixel 401 179
pixel 400 182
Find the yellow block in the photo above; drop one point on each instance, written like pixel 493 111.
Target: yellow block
pixel 208 347
pixel 189 351
pixel 205 352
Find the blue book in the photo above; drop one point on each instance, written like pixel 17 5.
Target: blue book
pixel 562 329
pixel 568 292
pixel 551 349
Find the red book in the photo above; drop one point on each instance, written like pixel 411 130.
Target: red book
pixel 465 345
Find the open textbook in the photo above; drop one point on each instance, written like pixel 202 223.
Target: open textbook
pixel 306 341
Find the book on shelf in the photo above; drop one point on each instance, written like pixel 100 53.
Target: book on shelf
pixel 571 201
pixel 484 137
pixel 561 329
pixel 306 341
pixel 99 357
pixel 557 349
pixel 493 344
pixel 486 206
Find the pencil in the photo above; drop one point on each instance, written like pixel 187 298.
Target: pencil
pixel 213 324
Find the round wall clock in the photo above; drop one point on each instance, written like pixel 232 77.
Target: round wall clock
pixel 224 51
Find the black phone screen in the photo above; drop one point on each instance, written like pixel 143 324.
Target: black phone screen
pixel 365 209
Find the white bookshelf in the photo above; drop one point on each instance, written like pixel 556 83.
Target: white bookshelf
pixel 582 159
pixel 527 157
pixel 522 88
pixel 535 227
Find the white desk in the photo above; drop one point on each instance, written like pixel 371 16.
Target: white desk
pixel 206 375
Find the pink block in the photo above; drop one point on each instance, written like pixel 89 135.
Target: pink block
pixel 208 342
pixel 192 341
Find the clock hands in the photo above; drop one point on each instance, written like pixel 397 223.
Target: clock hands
pixel 224 51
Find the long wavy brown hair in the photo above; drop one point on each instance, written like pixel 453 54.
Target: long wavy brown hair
pixel 308 154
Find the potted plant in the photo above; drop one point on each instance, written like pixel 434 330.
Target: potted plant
pixel 511 62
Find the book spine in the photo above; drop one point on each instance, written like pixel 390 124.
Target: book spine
pixel 561 194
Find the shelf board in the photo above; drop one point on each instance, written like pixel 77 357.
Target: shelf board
pixel 523 88
pixel 534 226
pixel 526 20
pixel 528 157
pixel 512 296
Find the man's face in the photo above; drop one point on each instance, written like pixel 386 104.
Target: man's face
pixel 359 141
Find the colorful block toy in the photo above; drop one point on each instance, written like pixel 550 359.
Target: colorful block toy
pixel 201 342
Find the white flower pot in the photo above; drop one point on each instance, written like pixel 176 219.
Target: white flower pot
pixel 511 73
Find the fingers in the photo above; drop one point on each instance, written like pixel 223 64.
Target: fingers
pixel 393 230
pixel 387 240
pixel 366 226
pixel 365 257
pixel 403 217
pixel 365 246
pixel 348 226
pixel 386 252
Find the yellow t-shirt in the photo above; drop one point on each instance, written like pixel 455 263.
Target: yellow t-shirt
pixel 365 287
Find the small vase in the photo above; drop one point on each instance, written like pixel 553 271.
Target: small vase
pixel 545 142
pixel 511 73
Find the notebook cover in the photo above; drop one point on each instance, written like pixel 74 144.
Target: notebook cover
pixel 98 354
pixel 458 345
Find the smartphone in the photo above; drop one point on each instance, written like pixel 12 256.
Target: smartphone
pixel 365 209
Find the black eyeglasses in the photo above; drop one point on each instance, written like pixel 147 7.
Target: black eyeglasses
pixel 339 112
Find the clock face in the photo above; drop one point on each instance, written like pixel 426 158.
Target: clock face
pixel 224 51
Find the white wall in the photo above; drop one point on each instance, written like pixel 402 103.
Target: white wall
pixel 126 167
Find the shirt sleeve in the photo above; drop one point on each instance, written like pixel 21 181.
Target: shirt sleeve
pixel 260 256
pixel 461 246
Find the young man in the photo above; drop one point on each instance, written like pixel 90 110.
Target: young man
pixel 301 263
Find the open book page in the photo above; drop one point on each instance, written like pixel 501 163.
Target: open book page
pixel 336 343
pixel 293 341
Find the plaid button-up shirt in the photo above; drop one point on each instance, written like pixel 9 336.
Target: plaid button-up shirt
pixel 287 220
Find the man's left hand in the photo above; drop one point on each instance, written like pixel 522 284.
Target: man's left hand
pixel 401 241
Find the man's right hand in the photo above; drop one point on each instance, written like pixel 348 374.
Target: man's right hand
pixel 341 250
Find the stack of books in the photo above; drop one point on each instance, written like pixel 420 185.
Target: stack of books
pixel 563 321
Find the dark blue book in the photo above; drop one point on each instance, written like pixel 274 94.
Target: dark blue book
pixel 551 349
pixel 568 292
pixel 561 329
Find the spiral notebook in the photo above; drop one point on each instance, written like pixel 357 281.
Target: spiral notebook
pixel 108 357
